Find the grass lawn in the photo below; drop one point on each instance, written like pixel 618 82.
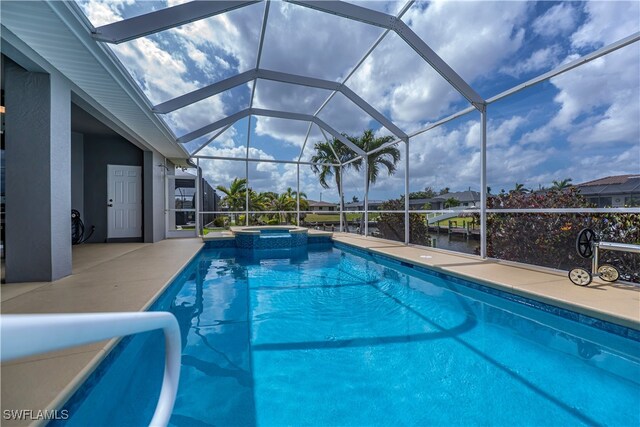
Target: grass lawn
pixel 336 217
pixel 459 221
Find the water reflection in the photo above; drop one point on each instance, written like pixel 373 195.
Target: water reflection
pixel 308 331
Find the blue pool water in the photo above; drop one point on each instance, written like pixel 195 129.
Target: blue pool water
pixel 324 336
pixel 270 231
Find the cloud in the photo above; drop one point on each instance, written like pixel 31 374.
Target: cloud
pixel 302 41
pixel 346 117
pixel 447 156
pixel 234 34
pixel 474 38
pixel 288 97
pixel 588 116
pixel 223 172
pixel 540 60
pixel 558 20
pixel 291 132
pixel 598 102
pixel 607 22
pixel 104 12
pixel 180 60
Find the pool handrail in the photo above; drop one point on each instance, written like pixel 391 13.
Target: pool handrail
pixel 30 334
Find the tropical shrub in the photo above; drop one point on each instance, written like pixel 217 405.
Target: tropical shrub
pixel 548 239
pixel 391 225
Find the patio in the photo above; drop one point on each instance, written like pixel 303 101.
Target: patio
pixel 219 119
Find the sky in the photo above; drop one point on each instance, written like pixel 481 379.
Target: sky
pixel 583 124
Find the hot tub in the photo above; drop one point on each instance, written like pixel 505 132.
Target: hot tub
pixel 270 237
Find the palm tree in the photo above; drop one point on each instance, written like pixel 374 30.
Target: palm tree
pixel 387 158
pixel 282 203
pixel 519 188
pixel 561 185
pixel 257 202
pixel 293 195
pixel 234 195
pixel 323 160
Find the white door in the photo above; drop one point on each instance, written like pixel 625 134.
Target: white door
pixel 124 201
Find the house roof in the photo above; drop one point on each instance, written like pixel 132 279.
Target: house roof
pixel 320 203
pixel 610 180
pixel 361 203
pixel 619 184
pixel 461 196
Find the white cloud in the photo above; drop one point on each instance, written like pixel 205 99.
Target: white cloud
pixel 447 156
pixel 345 116
pixel 197 56
pixel 235 33
pixel 291 132
pixel 588 167
pixel 288 97
pixel 540 60
pixel 164 64
pixel 558 20
pixel 307 42
pixel 598 102
pixel 104 12
pixel 607 22
pixel 473 37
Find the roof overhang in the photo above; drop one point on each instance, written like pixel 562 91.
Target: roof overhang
pixel 97 77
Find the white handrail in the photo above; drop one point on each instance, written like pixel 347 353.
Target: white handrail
pixel 28 334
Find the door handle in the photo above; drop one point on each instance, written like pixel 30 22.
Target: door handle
pixel 110 205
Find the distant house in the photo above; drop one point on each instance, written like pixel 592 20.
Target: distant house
pixel 317 206
pixel 612 191
pixel 467 198
pixel 374 205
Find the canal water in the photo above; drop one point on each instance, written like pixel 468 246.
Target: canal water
pixel 444 241
pixel 458 244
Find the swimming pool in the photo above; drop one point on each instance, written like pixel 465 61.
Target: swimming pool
pixel 326 335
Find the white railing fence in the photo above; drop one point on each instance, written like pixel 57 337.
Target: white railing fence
pixel 24 335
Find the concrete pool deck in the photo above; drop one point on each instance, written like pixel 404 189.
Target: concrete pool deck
pixel 128 276
pixel 106 277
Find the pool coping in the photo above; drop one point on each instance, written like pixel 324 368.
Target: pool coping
pixel 231 233
pixel 103 353
pixel 256 229
pixel 86 372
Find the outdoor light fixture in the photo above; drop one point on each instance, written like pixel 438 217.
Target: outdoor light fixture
pixel 1 109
